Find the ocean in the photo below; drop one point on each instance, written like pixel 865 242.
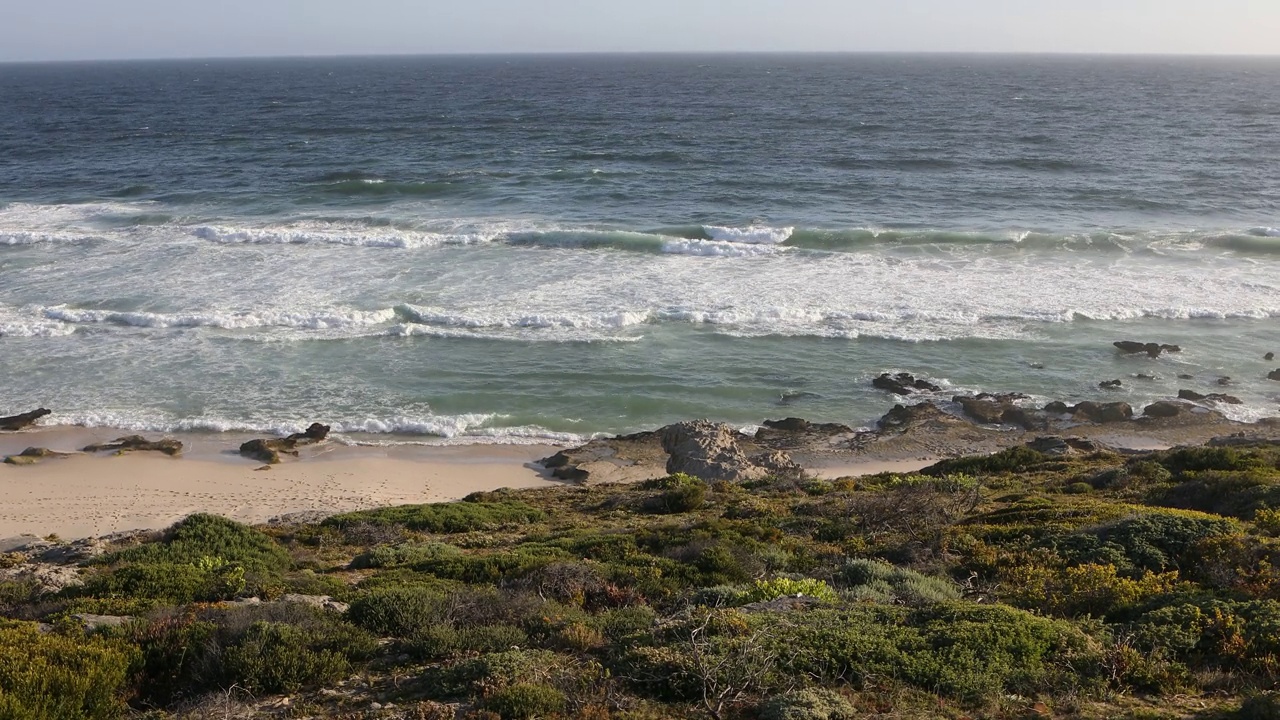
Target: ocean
pixel 521 249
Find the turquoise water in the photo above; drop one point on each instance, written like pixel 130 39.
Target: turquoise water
pixel 515 249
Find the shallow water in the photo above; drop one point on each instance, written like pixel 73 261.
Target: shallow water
pixel 544 248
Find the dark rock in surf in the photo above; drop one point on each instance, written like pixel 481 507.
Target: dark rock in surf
pixel 1102 412
pixel 1194 396
pixel 1273 375
pixel 269 450
pixel 1269 356
pixel 1167 409
pixel 1131 347
pixel 794 397
pixel 24 420
pixel 904 384
pixel 1110 384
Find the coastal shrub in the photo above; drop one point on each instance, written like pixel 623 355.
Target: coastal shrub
pixel 1237 494
pixel 448 639
pixel 445 518
pixel 267 648
pixel 1160 541
pixel 47 676
pixel 402 554
pixel 399 611
pixel 1216 633
pixel 1239 563
pixel 626 623
pixel 279 658
pixel 526 701
pixel 807 704
pixel 1089 589
pixel 881 582
pixel 765 590
pixel 1268 521
pixel 681 493
pixel 198 537
pixel 207 580
pixel 1199 459
pixel 1012 460
pixel 493 567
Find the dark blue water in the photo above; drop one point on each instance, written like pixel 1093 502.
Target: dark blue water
pixel 520 246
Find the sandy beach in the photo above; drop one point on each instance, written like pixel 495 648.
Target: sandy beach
pixel 90 495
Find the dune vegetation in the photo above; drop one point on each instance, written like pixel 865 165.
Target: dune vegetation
pixel 1017 585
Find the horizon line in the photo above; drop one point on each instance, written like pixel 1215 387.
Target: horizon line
pixel 635 53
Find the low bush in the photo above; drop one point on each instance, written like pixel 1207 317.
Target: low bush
pixel 1089 589
pixel 399 555
pixel 809 704
pixel 445 518
pixel 786 587
pixel 263 648
pixel 680 494
pixel 1013 460
pixel 200 536
pixel 526 701
pixel 878 581
pixel 45 676
pixel 1199 459
pixel 207 580
pixel 399 611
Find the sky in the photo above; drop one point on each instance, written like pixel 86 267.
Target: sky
pixel 122 29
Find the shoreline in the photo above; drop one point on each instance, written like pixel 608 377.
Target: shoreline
pixel 83 495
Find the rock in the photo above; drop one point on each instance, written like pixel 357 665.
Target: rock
pixel 32 455
pixel 1224 381
pixel 18 422
pixel 904 384
pixel 983 410
pixel 1167 409
pixel 789 425
pixel 624 459
pixel 1102 412
pixel 999 409
pixel 778 464
pixel 1109 384
pixel 322 602
pixel 1144 376
pixel 1194 396
pixel 96 622
pixel 1185 376
pixel 1153 349
pixel 1036 366
pixel 1059 446
pixel 1273 375
pixel 1269 356
pixel 168 446
pixel 903 417
pixel 1058 408
pixel 268 450
pixel 710 451
pixel 48 578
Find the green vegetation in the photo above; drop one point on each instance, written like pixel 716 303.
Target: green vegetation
pixel 1010 586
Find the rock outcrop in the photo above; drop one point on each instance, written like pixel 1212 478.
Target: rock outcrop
pixel 168 446
pixel 1102 412
pixel 1110 384
pixel 24 420
pixel 711 451
pixel 628 458
pixel 268 450
pixel 1273 375
pixel 1063 446
pixel 1194 396
pixel 1152 349
pixel 1167 409
pixel 33 455
pixel 904 384
pixel 1001 409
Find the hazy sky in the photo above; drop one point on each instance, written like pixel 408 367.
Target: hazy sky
pixel 84 29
